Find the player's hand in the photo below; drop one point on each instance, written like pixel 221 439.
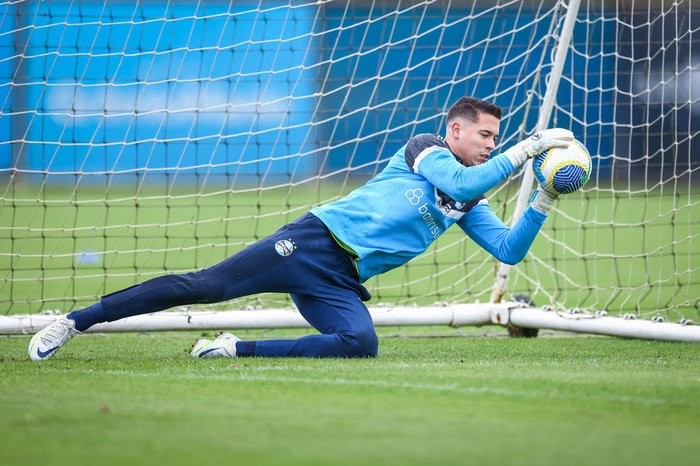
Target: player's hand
pixel 539 142
pixel 543 199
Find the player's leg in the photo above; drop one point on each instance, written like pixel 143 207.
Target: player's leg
pixel 214 284
pixel 328 295
pixel 345 324
pixel 266 266
pixel 229 279
pixel 258 268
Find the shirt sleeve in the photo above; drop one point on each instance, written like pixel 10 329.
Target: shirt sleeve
pixel 508 245
pixel 462 183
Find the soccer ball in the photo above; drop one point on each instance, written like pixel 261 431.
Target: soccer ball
pixel 563 170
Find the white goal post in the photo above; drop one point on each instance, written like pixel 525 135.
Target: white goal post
pixel 145 138
pixel 453 315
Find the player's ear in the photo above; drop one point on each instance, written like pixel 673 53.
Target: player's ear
pixel 455 128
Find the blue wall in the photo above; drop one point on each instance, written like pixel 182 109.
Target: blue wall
pixel 104 108
pixel 7 51
pixel 409 90
pixel 348 95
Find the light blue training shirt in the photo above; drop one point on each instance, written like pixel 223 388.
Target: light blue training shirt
pixel 423 191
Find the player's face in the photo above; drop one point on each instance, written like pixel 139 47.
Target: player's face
pixel 473 141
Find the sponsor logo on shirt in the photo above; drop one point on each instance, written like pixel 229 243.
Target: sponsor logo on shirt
pixel 415 196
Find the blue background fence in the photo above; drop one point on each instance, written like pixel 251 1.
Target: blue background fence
pixel 112 89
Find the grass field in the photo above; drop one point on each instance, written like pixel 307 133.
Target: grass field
pixel 454 399
pixel 138 399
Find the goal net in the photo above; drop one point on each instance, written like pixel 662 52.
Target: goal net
pixel 144 138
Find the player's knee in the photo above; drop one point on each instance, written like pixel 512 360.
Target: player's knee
pixel 205 287
pixel 362 344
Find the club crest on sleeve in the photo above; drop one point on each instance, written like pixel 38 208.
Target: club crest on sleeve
pixel 284 247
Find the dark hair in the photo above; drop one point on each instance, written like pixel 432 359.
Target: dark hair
pixel 470 108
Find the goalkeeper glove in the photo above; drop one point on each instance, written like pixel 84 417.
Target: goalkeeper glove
pixel 542 200
pixel 539 142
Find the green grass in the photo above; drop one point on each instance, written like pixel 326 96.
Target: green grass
pixel 555 400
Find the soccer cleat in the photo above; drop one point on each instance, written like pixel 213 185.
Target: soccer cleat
pixel 48 340
pixel 223 346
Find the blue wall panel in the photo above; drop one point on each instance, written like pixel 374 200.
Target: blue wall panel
pixel 112 89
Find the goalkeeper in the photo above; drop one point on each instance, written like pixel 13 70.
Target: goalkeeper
pixel 322 258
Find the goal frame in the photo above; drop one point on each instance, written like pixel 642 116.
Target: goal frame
pixel 453 315
pixel 496 312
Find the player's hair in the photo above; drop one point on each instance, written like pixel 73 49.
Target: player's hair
pixel 470 108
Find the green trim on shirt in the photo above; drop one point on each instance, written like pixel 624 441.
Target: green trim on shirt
pixel 349 250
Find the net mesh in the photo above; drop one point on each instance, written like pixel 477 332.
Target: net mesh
pixel 159 137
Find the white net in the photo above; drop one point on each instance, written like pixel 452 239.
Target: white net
pixel 157 137
pixel 628 243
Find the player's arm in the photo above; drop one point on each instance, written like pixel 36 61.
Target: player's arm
pixel 508 245
pixel 463 183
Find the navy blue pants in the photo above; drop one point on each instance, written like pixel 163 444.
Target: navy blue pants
pixel 301 259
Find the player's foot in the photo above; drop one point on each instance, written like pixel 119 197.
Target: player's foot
pixel 223 346
pixel 48 340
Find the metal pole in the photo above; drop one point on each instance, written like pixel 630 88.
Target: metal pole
pixel 501 283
